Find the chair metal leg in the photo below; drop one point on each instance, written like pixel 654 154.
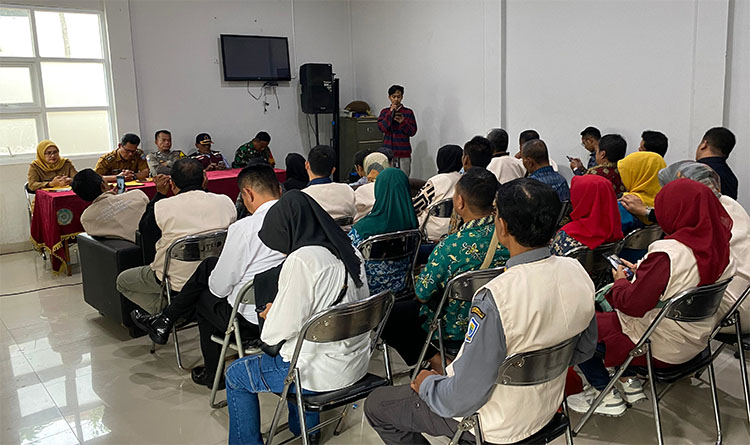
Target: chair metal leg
pixel 387 360
pixel 237 337
pixel 219 371
pixel 277 413
pixel 301 408
pixel 426 345
pixel 153 348
pixel 603 393
pixel 568 431
pixel 654 400
pixel 478 431
pixel 337 431
pixel 743 367
pixel 714 398
pixel 442 347
pixel 466 424
pixel 177 348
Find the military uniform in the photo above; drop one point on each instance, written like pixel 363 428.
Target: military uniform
pixel 112 163
pixel 247 152
pixel 160 162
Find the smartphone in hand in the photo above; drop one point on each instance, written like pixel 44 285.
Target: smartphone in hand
pixel 120 184
pixel 570 158
pixel 615 261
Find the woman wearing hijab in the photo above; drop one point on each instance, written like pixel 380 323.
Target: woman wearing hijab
pixel 296 175
pixel 595 219
pixel 49 169
pixel 364 195
pixel 392 212
pixel 639 173
pixel 438 188
pixel 321 270
pixel 695 252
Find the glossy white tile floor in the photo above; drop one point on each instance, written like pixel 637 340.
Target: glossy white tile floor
pixel 70 376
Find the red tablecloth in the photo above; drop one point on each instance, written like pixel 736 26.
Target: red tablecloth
pixel 57 215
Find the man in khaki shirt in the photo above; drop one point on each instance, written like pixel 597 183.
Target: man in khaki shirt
pixel 126 160
pixel 109 215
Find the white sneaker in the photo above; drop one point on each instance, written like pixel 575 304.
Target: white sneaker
pixel 632 390
pixel 612 405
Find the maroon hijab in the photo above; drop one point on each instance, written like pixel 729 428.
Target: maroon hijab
pixel 690 213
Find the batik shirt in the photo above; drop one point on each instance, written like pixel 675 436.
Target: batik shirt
pixel 460 252
pixel 611 173
pixel 246 152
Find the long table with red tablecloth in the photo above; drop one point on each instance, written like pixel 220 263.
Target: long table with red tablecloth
pixel 57 215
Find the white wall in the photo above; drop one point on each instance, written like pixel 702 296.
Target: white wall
pixel 179 74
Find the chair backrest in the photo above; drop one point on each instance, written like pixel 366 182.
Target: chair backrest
pixel 247 293
pixel 594 261
pixel 640 239
pixel 465 285
pixel 391 246
pixel 195 247
pixel 344 221
pixel 536 367
pixel 564 212
pixel 441 209
pixel 697 303
pixel 730 318
pixel 29 198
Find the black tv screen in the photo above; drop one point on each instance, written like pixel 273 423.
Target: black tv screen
pixel 255 58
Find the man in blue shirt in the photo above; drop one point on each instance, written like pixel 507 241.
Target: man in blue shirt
pixel 536 160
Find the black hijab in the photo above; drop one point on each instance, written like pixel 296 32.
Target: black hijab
pixel 449 159
pixel 296 221
pixel 296 175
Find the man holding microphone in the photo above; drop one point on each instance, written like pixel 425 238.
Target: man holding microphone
pixel 398 124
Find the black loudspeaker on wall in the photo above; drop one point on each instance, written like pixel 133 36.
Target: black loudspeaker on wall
pixel 316 80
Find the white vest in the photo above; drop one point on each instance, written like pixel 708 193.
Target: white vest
pixel 364 198
pixel 115 216
pixel 739 246
pixel 336 199
pixel 674 342
pixel 506 168
pixel 185 214
pixel 444 185
pixel 541 304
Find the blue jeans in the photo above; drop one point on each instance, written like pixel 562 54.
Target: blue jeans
pixel 247 377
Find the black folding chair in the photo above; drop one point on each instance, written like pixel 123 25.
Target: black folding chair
pixel 191 248
pixel 341 322
pixel 595 263
pixel 441 209
pixel 691 305
pixel 395 246
pixel 462 287
pixel 640 239
pixel 344 221
pixel 529 369
pixel 562 217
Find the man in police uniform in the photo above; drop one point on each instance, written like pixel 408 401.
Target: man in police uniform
pixel 127 160
pixel 160 162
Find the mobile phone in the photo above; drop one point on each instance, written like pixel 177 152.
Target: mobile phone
pixel 569 158
pixel 615 261
pixel 120 184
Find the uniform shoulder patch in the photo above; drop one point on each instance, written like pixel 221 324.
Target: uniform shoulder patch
pixel 471 330
pixel 478 312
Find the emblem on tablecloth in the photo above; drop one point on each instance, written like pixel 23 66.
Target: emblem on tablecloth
pixel 64 217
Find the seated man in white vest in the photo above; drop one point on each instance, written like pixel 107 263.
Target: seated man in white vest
pixel 336 199
pixel 515 312
pixel 109 215
pixel 191 210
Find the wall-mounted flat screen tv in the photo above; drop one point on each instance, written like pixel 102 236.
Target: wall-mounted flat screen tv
pixel 255 58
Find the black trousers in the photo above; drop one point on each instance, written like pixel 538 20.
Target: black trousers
pixel 403 331
pixel 212 313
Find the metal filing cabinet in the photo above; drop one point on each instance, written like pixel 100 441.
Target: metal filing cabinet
pixel 357 134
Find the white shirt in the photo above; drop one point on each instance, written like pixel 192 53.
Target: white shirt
pixel 243 257
pixel 310 281
pixel 336 199
pixel 506 168
pixel 364 198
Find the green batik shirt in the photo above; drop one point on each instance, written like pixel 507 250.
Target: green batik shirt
pixel 457 253
pixel 246 152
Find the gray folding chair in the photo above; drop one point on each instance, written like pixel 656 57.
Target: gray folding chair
pixel 529 369
pixel 191 248
pixel 640 239
pixel 395 246
pixel 595 263
pixel 441 209
pixel 462 287
pixel 245 296
pixel 344 221
pixel 691 305
pixel 732 318
pixel 340 322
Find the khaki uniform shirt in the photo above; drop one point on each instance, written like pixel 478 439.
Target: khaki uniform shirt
pixel 38 178
pixel 112 164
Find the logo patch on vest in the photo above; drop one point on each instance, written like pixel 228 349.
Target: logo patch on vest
pixel 471 330
pixel 478 312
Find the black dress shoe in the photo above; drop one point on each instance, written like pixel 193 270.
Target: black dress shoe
pixel 201 376
pixel 157 326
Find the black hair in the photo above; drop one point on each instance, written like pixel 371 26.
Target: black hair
pixel 261 178
pixel 613 146
pixel 387 152
pixel 530 210
pixel 477 186
pixel 395 88
pixel 593 132
pixel 359 157
pixel 263 136
pixel 158 132
pixel 535 150
pixel 130 138
pixel 655 141
pixel 187 172
pixel 720 138
pixel 479 151
pixel 499 139
pixel 87 184
pixel 322 159
pixel 527 135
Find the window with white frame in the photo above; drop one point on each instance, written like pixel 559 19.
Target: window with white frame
pixel 55 82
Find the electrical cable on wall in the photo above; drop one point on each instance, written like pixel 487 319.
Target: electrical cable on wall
pixel 263 94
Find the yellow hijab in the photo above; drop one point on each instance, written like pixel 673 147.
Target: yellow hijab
pixel 42 163
pixel 639 172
